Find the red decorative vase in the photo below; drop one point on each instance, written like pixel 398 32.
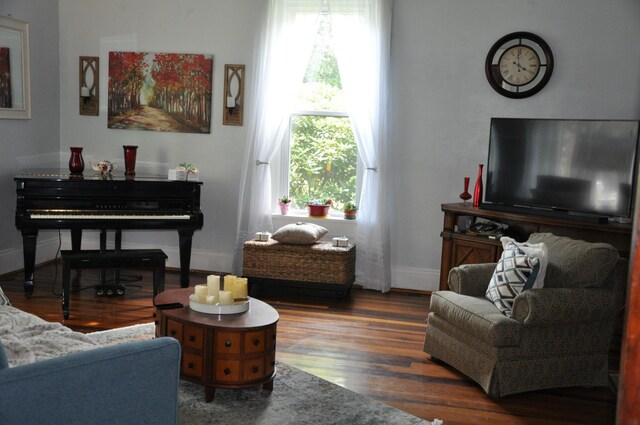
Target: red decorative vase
pixel 477 193
pixel 130 160
pixel 76 163
pixel 465 196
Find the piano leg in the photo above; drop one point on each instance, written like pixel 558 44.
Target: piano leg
pixel 186 236
pixel 29 238
pixel 76 239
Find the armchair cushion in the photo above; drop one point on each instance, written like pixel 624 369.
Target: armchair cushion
pixel 576 263
pixel 476 316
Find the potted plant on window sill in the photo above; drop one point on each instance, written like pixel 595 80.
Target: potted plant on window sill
pixel 319 208
pixel 350 211
pixel 284 203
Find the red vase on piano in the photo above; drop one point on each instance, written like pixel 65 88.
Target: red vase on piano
pixel 130 160
pixel 76 163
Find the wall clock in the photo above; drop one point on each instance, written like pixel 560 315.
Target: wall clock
pixel 519 65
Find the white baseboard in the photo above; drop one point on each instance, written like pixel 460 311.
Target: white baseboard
pixel 12 259
pixel 415 278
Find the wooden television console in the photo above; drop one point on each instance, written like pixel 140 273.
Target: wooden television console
pixel 462 248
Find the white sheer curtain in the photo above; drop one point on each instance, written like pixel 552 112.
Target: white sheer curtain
pixel 286 41
pixel 363 31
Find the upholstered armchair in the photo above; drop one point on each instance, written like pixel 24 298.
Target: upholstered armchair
pixel 557 336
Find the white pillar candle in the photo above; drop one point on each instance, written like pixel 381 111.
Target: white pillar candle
pixel 229 281
pixel 211 299
pixel 231 102
pixel 213 284
pixel 240 290
pixel 201 290
pixel 226 298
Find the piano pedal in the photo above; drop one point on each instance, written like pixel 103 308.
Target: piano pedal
pixel 110 290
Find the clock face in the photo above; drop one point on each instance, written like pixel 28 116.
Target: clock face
pixel 519 65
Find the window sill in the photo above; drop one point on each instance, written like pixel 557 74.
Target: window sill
pixel 336 225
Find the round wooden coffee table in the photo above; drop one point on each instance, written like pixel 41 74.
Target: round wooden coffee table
pixel 221 350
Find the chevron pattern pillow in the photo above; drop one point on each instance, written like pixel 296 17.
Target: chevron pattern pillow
pixel 515 272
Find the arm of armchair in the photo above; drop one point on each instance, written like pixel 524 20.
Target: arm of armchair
pixel 553 306
pixel 471 279
pixel 127 383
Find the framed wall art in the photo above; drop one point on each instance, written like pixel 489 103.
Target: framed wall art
pixel 160 92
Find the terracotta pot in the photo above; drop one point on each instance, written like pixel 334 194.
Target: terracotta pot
pixel 350 215
pixel 318 210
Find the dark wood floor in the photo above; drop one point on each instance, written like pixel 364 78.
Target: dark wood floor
pixel 370 343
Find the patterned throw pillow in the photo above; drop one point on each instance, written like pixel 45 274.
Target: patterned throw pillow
pixel 515 272
pixel 3 298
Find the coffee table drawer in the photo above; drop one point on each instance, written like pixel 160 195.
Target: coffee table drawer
pixel 254 369
pixel 193 337
pixel 227 370
pixel 174 330
pixel 228 342
pixel 271 363
pixel 191 365
pixel 254 342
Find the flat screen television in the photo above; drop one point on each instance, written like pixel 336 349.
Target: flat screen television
pixel 585 168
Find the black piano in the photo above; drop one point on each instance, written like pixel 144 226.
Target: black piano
pixel 56 199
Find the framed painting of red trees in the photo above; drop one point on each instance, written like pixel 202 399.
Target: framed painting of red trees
pixel 5 78
pixel 160 92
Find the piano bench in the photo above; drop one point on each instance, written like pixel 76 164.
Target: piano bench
pixel 114 259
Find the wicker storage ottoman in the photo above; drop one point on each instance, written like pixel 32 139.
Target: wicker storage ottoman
pixel 321 267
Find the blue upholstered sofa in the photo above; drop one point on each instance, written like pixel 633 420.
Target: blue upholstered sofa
pixel 131 383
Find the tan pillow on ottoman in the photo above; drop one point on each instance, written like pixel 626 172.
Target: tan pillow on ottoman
pixel 299 233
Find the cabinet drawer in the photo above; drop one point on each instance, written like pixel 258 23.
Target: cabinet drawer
pixel 466 252
pixel 227 370
pixel 254 342
pixel 193 337
pixel 191 365
pixel 227 342
pixel 174 330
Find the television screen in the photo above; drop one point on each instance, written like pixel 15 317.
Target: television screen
pixel 575 166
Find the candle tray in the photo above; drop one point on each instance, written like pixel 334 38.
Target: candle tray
pixel 235 308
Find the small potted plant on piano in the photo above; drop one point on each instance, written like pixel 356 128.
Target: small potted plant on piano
pixel 350 211
pixel 188 169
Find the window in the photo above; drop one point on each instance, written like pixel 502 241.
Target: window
pixel 322 154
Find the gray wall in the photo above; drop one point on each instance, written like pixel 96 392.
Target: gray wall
pixel 441 101
pixel 26 143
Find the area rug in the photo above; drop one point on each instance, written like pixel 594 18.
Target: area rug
pixel 297 398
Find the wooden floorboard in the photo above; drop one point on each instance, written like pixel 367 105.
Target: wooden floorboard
pixel 370 343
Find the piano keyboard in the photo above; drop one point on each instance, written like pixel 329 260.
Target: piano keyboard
pixel 109 217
